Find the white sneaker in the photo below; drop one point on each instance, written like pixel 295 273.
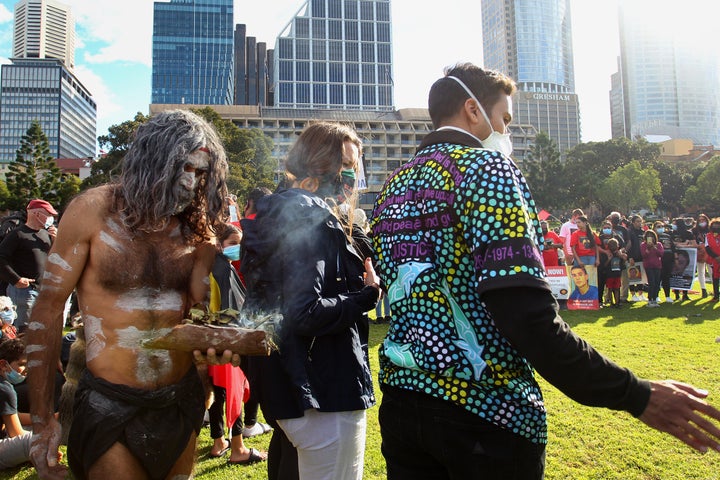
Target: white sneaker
pixel 257 429
pixel 668 300
pixel 652 304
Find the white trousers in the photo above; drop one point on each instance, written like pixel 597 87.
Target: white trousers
pixel 330 445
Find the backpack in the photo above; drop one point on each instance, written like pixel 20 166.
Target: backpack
pixel 11 222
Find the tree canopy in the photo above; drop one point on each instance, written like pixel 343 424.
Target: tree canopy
pixel 35 174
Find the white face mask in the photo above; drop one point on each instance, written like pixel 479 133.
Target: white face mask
pixel 496 140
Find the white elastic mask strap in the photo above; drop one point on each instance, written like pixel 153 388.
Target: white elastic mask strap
pixel 472 95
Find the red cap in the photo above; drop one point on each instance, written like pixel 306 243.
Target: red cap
pixel 37 203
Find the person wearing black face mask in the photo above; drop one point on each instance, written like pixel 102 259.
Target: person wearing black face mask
pixel 712 246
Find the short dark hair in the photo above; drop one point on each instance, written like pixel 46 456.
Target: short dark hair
pixel 447 97
pixel 12 349
pixel 256 194
pixel 579 267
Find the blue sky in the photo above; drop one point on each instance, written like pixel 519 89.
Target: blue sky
pixel 114 49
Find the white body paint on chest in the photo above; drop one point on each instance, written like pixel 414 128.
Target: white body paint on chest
pixel 151 364
pixel 95 339
pixel 110 241
pixel 144 299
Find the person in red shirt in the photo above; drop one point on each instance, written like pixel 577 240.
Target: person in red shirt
pixel 584 244
pixel 551 243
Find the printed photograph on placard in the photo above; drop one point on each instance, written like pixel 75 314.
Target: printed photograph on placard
pixel 583 288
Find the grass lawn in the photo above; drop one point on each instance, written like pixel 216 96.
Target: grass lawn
pixel 674 341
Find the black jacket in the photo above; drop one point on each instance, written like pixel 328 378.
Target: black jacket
pixel 297 262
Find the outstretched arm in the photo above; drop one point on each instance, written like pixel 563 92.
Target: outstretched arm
pixel 66 262
pixel 579 371
pixel 681 410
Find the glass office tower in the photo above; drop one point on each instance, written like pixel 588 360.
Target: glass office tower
pixel 193 52
pixel 669 73
pixel 336 54
pixel 531 41
pixel 45 90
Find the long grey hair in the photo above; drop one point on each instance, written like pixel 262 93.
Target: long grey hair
pixel 145 195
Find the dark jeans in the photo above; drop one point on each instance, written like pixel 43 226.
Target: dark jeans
pixel 427 438
pixel 653 278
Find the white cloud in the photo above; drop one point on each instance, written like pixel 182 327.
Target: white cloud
pixel 5 14
pixel 106 101
pixel 125 29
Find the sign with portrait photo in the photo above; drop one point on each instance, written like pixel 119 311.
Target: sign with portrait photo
pixel 682 274
pixel 636 274
pixel 583 288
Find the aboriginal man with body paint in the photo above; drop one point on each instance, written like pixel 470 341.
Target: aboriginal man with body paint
pixel 139 252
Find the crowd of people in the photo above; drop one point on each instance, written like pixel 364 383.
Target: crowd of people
pixel 472 314
pixel 660 248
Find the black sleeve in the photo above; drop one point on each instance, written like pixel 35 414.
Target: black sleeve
pixel 7 253
pixel 535 329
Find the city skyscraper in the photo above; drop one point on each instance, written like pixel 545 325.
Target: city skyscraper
pixel 253 70
pixel 47 91
pixel 336 54
pixel 40 85
pixel 669 74
pixel 44 29
pixel 193 52
pixel 531 41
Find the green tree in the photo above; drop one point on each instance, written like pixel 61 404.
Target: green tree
pixel 34 173
pixel 705 194
pixel 630 187
pixel 116 143
pixel 543 170
pixel 588 164
pixel 248 152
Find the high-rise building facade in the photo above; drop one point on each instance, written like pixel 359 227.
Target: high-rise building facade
pixel 669 73
pixel 253 70
pixel 47 91
pixel 40 85
pixel 44 29
pixel 193 52
pixel 336 54
pixel 531 41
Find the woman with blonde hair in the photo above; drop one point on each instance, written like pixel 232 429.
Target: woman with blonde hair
pixel 299 263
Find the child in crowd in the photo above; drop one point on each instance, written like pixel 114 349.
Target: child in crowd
pixel 8 314
pixel 614 266
pixel 14 440
pixel 230 387
pixel 652 254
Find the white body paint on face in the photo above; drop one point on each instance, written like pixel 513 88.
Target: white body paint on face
pixel 110 241
pixel 195 165
pixel 56 259
pixel 145 299
pixel 36 326
pixel 94 337
pixel 34 363
pixel 151 364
